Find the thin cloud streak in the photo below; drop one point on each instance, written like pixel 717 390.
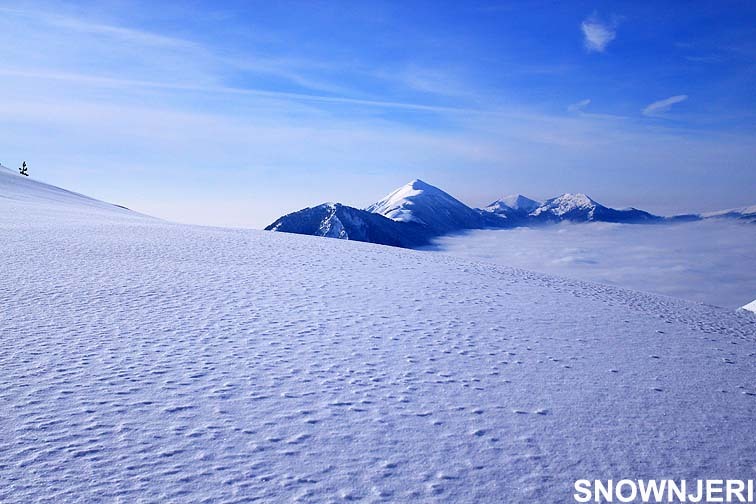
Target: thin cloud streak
pixel 129 83
pixel 84 26
pixel 579 106
pixel 660 107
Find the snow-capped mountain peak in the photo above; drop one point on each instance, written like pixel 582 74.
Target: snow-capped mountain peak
pixel 422 203
pixel 579 207
pixel 513 203
pixel 398 204
pixel 566 203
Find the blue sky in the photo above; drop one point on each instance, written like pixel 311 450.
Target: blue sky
pixel 233 113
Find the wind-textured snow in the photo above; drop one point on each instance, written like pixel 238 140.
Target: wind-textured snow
pixel 145 361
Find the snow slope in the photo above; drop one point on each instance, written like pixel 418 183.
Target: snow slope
pixel 150 362
pixel 751 307
pixel 19 193
pixel 425 204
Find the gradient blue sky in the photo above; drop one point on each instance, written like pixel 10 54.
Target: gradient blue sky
pixel 233 113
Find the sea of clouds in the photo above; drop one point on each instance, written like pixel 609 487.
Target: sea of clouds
pixel 711 261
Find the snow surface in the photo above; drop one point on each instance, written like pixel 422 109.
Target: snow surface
pixel 751 307
pixel 145 361
pixel 18 192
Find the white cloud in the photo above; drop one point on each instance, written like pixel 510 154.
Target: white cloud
pixel 597 34
pixel 661 106
pixel 647 258
pixel 105 30
pixel 579 106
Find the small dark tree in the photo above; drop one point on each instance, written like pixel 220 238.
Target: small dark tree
pixel 23 170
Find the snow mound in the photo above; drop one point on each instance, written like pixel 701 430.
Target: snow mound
pixel 22 196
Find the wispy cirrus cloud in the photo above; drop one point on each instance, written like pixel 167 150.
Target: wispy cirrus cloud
pixel 579 106
pixel 661 106
pixel 597 34
pixel 115 55
pixel 95 28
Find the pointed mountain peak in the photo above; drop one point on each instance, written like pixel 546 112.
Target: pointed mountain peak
pixel 574 205
pixel 413 195
pixel 415 187
pixel 421 203
pixel 513 202
pixel 580 200
pixel 419 184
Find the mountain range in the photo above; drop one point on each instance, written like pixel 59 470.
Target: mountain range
pixel 414 214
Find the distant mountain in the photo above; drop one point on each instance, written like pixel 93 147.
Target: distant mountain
pixel 747 214
pixel 581 208
pixel 417 212
pixel 514 204
pixel 334 220
pixel 431 207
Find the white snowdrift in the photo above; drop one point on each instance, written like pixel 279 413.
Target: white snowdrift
pixel 145 361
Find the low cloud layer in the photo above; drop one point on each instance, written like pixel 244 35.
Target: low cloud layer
pixel 709 262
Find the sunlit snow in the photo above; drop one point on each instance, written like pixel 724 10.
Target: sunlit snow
pixel 145 361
